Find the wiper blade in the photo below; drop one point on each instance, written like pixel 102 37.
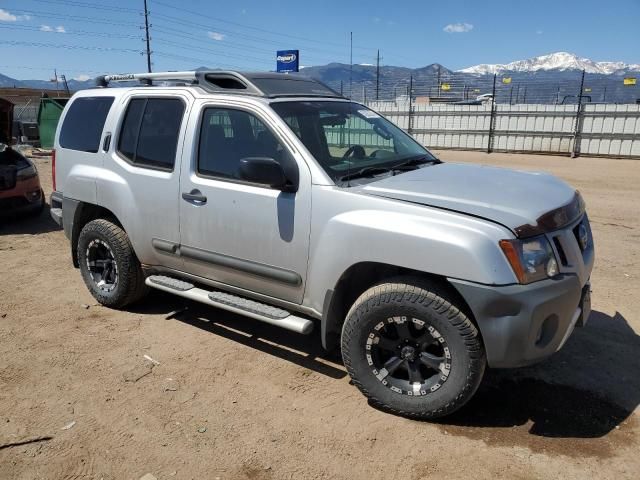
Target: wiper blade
pixel 415 161
pixel 366 171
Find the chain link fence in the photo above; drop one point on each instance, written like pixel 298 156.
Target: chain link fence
pixel 580 114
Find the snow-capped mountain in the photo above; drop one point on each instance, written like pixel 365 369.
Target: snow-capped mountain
pixel 554 61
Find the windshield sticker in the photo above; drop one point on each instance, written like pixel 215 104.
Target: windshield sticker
pixel 368 114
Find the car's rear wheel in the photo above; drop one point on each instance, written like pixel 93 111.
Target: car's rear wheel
pixel 109 266
pixel 411 351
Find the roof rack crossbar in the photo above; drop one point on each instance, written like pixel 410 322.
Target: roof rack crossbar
pixel 145 78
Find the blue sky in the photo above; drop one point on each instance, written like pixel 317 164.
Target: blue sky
pixel 85 37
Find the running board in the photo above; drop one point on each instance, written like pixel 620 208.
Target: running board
pixel 233 303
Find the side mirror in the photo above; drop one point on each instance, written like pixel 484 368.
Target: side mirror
pixel 266 171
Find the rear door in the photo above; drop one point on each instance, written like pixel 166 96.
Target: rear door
pixel 246 235
pixel 140 182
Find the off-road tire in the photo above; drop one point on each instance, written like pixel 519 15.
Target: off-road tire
pixel 130 285
pixel 414 298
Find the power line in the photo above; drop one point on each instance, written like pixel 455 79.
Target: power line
pixel 259 40
pixel 73 18
pixel 46 68
pixel 69 32
pixel 193 60
pixel 214 52
pixel 100 6
pixel 249 27
pixel 68 47
pixel 234 45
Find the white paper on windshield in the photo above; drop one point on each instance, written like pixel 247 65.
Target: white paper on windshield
pixel 368 114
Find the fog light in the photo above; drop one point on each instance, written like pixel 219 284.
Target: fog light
pixel 552 267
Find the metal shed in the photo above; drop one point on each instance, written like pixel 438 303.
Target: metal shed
pixel 48 115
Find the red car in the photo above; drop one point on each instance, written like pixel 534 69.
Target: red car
pixel 20 190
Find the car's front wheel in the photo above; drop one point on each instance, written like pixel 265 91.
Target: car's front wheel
pixel 411 351
pixel 109 266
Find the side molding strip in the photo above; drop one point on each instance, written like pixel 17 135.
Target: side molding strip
pixel 260 269
pixel 164 246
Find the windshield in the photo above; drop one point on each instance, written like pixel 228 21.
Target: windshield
pixel 349 140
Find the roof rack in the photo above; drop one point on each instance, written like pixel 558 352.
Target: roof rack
pixel 270 85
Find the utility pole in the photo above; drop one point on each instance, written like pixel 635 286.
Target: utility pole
pixel 492 116
pixel 351 66
pixel 410 93
pixel 146 30
pixel 378 76
pixel 576 134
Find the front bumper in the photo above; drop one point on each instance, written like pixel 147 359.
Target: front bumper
pixel 524 324
pixel 27 202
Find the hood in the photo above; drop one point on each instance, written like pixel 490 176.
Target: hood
pixel 528 203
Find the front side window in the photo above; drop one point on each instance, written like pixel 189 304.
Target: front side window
pixel 228 135
pixel 346 138
pixel 84 122
pixel 150 131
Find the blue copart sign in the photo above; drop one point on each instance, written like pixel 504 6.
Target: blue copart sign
pixel 288 60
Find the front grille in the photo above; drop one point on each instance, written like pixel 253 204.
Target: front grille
pixel 560 250
pixel 12 202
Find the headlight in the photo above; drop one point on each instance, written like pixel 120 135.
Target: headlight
pixel 27 172
pixel 531 259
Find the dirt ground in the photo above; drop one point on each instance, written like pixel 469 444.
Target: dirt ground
pixel 232 398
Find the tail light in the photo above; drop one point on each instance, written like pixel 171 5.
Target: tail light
pixel 53 168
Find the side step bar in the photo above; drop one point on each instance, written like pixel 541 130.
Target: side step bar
pixel 233 303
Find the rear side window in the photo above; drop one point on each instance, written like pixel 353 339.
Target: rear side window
pixel 83 123
pixel 149 134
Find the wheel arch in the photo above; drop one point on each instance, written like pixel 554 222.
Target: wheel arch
pixel 84 213
pixel 361 276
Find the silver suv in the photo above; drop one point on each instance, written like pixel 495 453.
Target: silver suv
pixel 271 196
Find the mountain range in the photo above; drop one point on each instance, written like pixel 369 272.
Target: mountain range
pixel 559 61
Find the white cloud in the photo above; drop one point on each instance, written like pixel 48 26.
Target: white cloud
pixel 243 11
pixel 458 28
pixel 82 78
pixel 539 32
pixel 10 17
pixel 58 29
pixel 215 36
pixel 376 19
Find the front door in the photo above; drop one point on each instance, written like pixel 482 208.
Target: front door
pixel 246 235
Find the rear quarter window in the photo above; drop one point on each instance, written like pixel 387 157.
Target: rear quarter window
pixel 150 131
pixel 84 122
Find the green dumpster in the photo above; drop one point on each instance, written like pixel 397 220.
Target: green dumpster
pixel 48 115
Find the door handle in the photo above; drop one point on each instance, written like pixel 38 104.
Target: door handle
pixel 194 196
pixel 107 142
